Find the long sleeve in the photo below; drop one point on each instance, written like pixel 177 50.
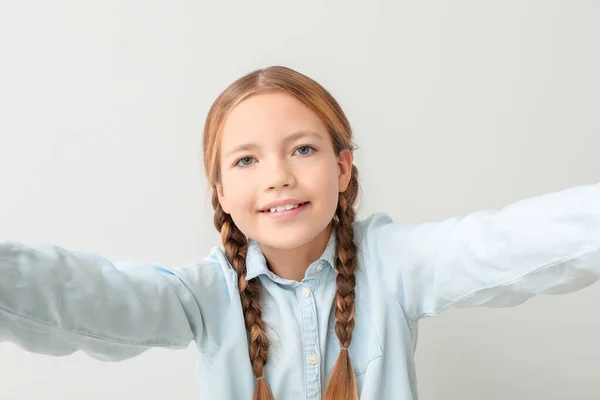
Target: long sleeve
pixel 55 302
pixel 547 244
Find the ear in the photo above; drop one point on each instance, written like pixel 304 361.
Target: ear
pixel 222 198
pixel 344 162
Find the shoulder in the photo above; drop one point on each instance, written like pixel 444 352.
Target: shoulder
pixel 209 276
pixel 369 234
pixel 377 230
pixel 382 244
pixel 363 226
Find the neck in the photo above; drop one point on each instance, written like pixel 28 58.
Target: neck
pixel 292 263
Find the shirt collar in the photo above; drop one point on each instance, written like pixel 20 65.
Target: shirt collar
pixel 256 263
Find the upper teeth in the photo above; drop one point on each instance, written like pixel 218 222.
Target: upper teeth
pixel 284 208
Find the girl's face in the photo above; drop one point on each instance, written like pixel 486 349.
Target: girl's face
pixel 276 152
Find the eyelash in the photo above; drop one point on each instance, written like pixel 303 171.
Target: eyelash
pixel 312 150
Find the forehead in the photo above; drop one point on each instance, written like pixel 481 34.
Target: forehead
pixel 269 116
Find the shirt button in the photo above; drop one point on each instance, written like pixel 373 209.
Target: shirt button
pixel 319 267
pixel 313 359
pixel 305 292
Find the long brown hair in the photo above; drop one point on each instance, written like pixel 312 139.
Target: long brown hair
pixel 342 384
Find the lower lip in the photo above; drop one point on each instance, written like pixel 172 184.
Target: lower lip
pixel 286 214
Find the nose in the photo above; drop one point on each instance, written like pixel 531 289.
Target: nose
pixel 279 175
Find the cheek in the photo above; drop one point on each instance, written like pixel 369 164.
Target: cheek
pixel 325 185
pixel 241 201
pixel 238 192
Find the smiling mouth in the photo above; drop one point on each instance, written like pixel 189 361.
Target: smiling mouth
pixel 284 208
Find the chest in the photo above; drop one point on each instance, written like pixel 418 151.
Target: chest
pixel 303 345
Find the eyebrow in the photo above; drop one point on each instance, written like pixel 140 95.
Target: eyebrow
pixel 291 138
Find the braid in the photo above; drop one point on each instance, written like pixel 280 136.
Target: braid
pixel 342 384
pixel 236 248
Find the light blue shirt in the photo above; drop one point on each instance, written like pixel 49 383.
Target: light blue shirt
pixel 55 302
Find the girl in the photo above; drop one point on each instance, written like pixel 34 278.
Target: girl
pixel 300 300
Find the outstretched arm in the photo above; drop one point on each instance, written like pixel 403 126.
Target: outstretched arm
pixel 546 244
pixel 53 301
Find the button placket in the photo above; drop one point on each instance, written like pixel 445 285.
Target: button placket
pixel 305 292
pixel 311 343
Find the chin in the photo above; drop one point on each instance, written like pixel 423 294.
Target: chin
pixel 286 239
pixel 284 243
pixel 291 238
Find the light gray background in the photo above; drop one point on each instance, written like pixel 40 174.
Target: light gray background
pixel 457 106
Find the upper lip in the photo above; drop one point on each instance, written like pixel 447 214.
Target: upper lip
pixel 279 203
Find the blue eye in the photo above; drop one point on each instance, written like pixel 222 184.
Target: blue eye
pixel 304 150
pixel 245 161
